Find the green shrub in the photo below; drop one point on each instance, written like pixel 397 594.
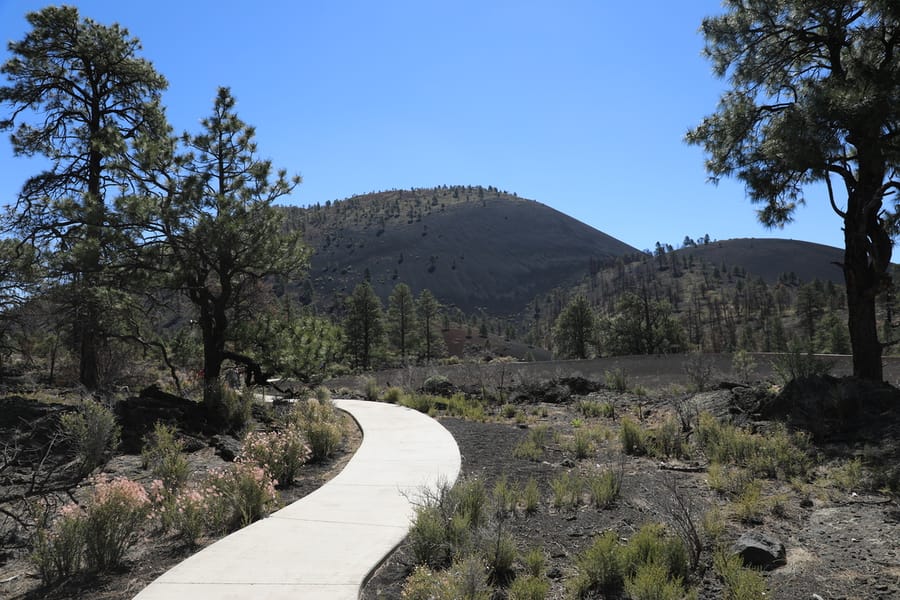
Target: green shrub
pixel 531 496
pixel 566 489
pixel 652 544
pixel 597 568
pixel 500 553
pixel 529 587
pixel 245 493
pixel 429 538
pixel 739 582
pixel 652 582
pixel 582 444
pixel 534 562
pixel 324 439
pixel 848 477
pixel 321 425
pixel 749 505
pixel 57 551
pixel 633 437
pixel 604 487
pixel 371 389
pixel 797 364
pixel 669 442
pixel 228 409
pixel 616 379
pixel 322 394
pixel 91 432
pixel 426 584
pixel 777 454
pixel 112 520
pixel 437 385
pixel 532 447
pixel 508 411
pixel 469 498
pixel 468 579
pixel 163 455
pixel 392 395
pixel 593 409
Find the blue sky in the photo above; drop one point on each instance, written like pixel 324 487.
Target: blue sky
pixel 581 105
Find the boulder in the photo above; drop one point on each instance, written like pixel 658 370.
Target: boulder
pixel 760 550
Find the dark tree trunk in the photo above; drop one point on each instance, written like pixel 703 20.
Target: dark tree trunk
pixel 867 254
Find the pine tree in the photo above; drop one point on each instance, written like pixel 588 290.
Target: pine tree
pixel 401 320
pixel 575 330
pixel 81 97
pixel 364 325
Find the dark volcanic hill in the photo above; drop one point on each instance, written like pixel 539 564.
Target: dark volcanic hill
pixel 473 247
pixel 770 258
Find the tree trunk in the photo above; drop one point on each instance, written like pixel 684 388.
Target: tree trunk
pixel 863 277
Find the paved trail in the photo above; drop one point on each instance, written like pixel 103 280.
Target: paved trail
pixel 325 545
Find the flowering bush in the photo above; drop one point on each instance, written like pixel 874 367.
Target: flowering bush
pixel 115 514
pixel 244 494
pixel 280 453
pixel 57 552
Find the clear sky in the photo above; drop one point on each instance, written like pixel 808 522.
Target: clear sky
pixel 579 104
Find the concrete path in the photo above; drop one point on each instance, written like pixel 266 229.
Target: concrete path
pixel 326 544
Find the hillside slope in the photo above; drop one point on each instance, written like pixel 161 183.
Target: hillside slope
pixel 474 248
pixel 770 258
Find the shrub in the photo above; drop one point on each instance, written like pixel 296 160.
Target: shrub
pixel 749 505
pixel 604 487
pixel 592 408
pixel 57 552
pixel 245 494
pixel 162 454
pixel 437 385
pixel 669 442
pixel 529 587
pixel 740 583
pixel 500 553
pixel 633 437
pixel 532 447
pixel 393 395
pixel 280 453
pixel 597 568
pixel 91 433
pixel 848 477
pixel 469 498
pixel 566 490
pixel 534 562
pixel 322 394
pixel 429 538
pixel 426 584
pixel 468 580
pixel 508 411
pixel 582 444
pixel 616 379
pixel 652 544
pixel 321 425
pixel 190 512
pixel 652 582
pixel 797 364
pixel 228 409
pixel 371 389
pixel 531 496
pixel 699 370
pixel 113 518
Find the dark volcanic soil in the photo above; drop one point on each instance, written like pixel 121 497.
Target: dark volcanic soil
pixel 839 544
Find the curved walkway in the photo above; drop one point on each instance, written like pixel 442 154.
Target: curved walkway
pixel 325 545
